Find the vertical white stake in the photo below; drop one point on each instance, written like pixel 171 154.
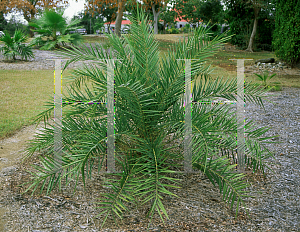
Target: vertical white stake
pixel 110 117
pixel 240 115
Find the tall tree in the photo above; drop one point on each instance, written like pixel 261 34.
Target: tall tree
pixel 210 11
pixel 188 10
pixel 29 8
pixel 256 7
pixel 153 8
pixel 239 17
pixel 157 7
pixel 3 22
pixel 169 16
pixel 101 5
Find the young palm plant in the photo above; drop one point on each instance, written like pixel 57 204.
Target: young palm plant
pixel 15 46
pixel 149 123
pixel 53 30
pixel 264 77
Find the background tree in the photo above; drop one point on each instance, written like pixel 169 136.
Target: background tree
pixel 244 16
pixel 239 16
pixel 29 8
pixel 256 6
pixel 286 39
pixel 88 21
pixel 3 22
pixel 265 31
pixel 153 9
pixel 168 16
pixel 113 8
pixel 189 11
pixel 157 7
pixel 210 11
pixel 12 25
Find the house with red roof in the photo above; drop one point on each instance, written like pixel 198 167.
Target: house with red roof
pixel 124 26
pixel 179 23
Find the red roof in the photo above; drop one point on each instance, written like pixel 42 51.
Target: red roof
pixel 124 22
pixel 180 20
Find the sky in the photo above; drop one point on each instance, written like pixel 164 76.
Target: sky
pixel 72 9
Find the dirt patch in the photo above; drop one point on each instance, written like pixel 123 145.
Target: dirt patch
pixel 12 148
pixel 11 152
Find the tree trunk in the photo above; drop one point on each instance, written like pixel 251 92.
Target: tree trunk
pixel 118 23
pixel 251 41
pixel 29 19
pixel 108 28
pixel 155 14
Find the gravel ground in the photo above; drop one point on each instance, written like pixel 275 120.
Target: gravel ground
pixel 38 62
pixel 199 206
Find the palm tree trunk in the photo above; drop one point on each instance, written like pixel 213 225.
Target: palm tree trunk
pixel 251 41
pixel 118 24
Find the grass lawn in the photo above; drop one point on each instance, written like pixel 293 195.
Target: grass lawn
pixel 94 39
pixel 23 94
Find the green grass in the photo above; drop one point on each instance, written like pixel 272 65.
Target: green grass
pixel 285 80
pixel 222 58
pixel 225 67
pixel 94 39
pixel 23 94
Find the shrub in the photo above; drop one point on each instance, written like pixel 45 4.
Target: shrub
pixel 14 47
pixel 53 30
pixel 172 30
pixel 265 30
pixel 149 123
pixel 215 30
pixel 186 28
pixel 286 40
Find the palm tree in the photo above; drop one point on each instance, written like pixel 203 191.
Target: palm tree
pixel 15 46
pixel 54 30
pixel 149 122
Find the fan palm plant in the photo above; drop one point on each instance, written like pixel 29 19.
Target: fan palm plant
pixel 53 29
pixel 15 46
pixel 149 123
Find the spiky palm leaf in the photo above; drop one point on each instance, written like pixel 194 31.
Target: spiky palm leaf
pixel 149 121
